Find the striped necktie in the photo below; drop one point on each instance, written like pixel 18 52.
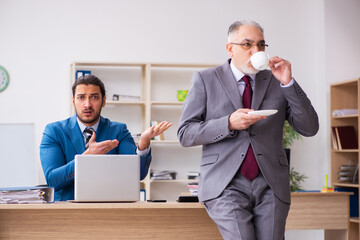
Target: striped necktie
pixel 88 132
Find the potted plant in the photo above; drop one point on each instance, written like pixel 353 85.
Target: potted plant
pixel 295 180
pixel 289 135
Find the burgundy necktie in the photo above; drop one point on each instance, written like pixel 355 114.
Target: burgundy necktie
pixel 249 167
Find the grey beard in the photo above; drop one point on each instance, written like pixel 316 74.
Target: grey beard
pixel 246 69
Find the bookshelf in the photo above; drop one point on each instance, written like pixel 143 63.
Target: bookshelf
pixel 345 95
pixel 155 85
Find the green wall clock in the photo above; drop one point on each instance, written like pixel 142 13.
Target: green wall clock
pixel 4 79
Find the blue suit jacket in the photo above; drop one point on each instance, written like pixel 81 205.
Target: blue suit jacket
pixel 62 140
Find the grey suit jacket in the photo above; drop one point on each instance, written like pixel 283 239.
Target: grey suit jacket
pixel 213 96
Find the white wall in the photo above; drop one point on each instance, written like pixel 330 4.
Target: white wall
pixel 41 38
pixel 342 40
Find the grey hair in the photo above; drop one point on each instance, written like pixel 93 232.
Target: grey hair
pixel 234 27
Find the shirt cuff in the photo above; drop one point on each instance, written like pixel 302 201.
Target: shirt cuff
pixel 289 84
pixel 142 153
pixel 231 132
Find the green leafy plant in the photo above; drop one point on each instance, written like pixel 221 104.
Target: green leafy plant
pixel 289 136
pixel 295 180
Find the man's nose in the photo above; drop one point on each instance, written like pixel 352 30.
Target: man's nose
pixel 87 102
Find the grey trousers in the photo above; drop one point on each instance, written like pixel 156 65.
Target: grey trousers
pixel 248 210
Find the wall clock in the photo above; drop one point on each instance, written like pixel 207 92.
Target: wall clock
pixel 4 79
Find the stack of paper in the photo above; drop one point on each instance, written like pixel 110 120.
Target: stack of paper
pixel 348 174
pixel 23 195
pixel 163 175
pixel 344 112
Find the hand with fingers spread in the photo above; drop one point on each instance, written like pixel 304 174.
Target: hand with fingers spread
pixel 240 120
pixel 152 132
pixel 281 69
pixel 100 147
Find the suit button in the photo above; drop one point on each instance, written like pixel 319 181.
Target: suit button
pixel 252 135
pixel 242 154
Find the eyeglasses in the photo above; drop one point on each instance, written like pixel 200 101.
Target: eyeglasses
pixel 248 45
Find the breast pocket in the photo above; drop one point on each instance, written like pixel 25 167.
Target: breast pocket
pixel 283 160
pixel 210 159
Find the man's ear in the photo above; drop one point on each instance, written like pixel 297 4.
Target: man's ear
pixel 104 101
pixel 73 101
pixel 229 48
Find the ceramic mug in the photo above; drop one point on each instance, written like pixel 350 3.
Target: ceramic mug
pixel 260 60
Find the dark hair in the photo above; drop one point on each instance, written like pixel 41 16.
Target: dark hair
pixel 89 80
pixel 236 25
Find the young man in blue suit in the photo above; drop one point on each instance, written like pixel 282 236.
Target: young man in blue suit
pixel 64 139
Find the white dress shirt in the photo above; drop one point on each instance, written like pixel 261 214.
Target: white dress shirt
pixel 241 84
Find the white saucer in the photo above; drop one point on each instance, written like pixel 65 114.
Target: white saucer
pixel 263 112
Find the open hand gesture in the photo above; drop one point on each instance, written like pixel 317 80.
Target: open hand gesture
pixel 152 132
pixel 100 147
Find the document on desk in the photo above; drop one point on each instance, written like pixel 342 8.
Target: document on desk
pixel 26 195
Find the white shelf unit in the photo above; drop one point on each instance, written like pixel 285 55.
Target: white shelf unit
pixel 157 86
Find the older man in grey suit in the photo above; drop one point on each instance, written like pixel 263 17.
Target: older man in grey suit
pixel 244 172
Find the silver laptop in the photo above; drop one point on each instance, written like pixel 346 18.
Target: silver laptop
pixel 107 178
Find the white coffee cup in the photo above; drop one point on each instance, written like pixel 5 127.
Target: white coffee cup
pixel 260 60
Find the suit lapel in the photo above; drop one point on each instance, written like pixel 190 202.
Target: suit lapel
pixel 262 81
pixel 75 135
pixel 228 81
pixel 102 130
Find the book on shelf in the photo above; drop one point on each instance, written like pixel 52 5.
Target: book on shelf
pixel 334 138
pixel 193 188
pixel 155 123
pixel 193 175
pixel 344 137
pixel 26 195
